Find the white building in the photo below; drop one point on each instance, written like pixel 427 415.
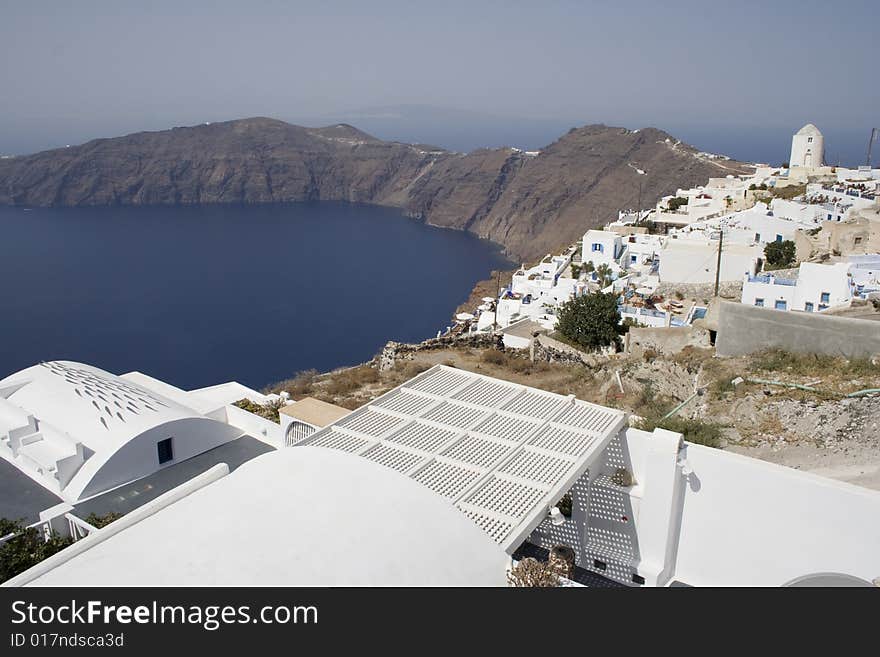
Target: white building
pixel 520 334
pixel 641 251
pixel 302 418
pixel 296 517
pixel 839 202
pixel 817 287
pixel 602 247
pixel 695 260
pixel 79 431
pixel 864 272
pixel 76 439
pixel 440 480
pixel 807 148
pixel 535 292
pixel 717 197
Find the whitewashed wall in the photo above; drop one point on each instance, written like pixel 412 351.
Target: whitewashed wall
pixel 703 516
pixel 750 523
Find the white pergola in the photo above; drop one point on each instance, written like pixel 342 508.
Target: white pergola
pixel 502 453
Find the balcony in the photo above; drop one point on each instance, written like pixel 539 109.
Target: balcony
pixel 769 279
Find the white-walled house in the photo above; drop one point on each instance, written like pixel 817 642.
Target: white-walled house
pixel 694 260
pixel 535 292
pixel 79 431
pixel 75 436
pixel 641 251
pixel 817 288
pixel 865 272
pixel 767 224
pixel 717 197
pixel 602 247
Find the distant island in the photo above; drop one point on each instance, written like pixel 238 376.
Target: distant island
pixel 528 202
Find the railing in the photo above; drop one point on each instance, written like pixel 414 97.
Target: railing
pixel 646 312
pixel 772 280
pixel 78 527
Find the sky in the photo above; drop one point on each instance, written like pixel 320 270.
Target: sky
pixel 742 75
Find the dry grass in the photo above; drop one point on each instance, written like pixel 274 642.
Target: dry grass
pixel 354 387
pixel 351 379
pixel 299 385
pixel 771 425
pixel 812 365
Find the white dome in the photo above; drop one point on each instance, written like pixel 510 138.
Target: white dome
pixel 307 516
pixel 809 130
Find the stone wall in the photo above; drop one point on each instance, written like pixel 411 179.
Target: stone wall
pixel 394 351
pixel 700 291
pixel 746 329
pixel 667 341
pixel 550 350
pixel 546 349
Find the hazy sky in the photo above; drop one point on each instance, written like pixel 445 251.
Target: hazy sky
pixel 75 70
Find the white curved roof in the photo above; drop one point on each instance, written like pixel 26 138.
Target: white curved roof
pixel 809 130
pixel 296 517
pixel 90 405
pixel 61 421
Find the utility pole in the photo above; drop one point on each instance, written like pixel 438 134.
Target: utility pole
pixel 497 301
pixel 718 264
pixel 874 134
pixel 639 208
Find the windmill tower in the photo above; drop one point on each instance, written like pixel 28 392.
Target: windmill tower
pixel 807 148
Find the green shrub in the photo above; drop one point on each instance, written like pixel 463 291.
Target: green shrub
pixel 102 521
pixel 675 203
pixel 591 321
pixel 694 430
pixel 268 410
pixel 26 549
pixel 776 360
pixel 780 254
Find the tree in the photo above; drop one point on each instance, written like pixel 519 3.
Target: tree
pixel 603 273
pixel 780 254
pixel 675 203
pixel 591 321
pixel 27 548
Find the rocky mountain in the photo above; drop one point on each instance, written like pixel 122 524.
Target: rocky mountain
pixel 531 203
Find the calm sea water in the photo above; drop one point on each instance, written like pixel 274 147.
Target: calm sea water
pixel 201 295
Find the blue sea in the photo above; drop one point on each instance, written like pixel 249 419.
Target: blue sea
pixel 206 294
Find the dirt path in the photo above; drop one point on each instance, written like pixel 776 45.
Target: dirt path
pixel 854 464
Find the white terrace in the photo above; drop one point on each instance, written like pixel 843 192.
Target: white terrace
pixel 501 453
